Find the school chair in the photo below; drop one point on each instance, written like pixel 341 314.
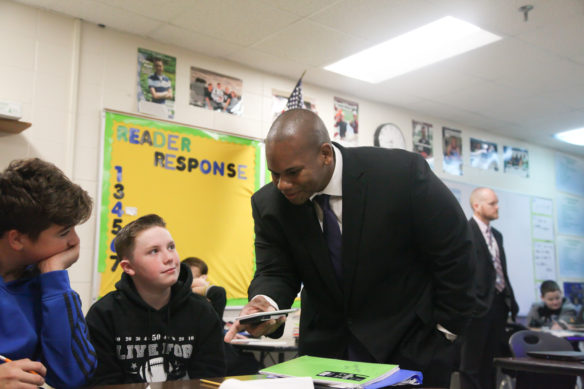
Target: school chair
pixel 523 341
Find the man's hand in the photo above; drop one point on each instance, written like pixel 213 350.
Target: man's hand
pixel 60 261
pixel 257 304
pixel 19 374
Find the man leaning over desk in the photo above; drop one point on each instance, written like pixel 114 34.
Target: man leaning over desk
pixel 389 279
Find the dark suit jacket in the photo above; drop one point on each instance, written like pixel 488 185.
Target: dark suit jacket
pixel 485 273
pixel 406 260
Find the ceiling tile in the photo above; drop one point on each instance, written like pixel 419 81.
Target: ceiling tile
pixel 310 43
pixel 565 38
pixel 267 62
pixel 237 21
pixel 301 7
pixel 377 20
pixel 161 10
pixel 194 41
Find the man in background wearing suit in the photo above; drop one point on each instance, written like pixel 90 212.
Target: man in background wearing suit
pixel 495 299
pixel 384 258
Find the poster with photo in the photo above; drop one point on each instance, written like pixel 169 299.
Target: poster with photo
pixel 422 140
pixel 484 155
pixel 216 92
pixel 280 99
pixel 516 161
pixel 156 83
pixel 452 151
pixel 346 127
pixel 574 292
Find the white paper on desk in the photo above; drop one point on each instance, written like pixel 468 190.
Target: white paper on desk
pixel 270 383
pixel 260 342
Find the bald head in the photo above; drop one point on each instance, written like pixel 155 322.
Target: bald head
pixel 485 204
pixel 299 124
pixel 299 154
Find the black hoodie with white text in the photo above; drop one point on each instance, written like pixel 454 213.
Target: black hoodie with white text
pixel 136 343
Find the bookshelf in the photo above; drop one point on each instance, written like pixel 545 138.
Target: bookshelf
pixel 13 126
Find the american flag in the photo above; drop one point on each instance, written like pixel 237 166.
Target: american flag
pixel 295 100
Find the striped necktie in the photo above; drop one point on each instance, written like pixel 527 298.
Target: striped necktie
pixel 494 250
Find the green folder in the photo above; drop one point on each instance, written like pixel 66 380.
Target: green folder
pixel 333 371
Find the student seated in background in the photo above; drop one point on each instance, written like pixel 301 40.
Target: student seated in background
pixel 553 311
pixel 152 328
pixel 215 294
pixel 42 328
pixel 237 362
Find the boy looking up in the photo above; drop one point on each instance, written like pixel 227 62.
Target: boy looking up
pixel 152 328
pixel 41 324
pixel 553 311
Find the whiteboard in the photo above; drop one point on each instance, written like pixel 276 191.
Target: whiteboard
pixel 515 224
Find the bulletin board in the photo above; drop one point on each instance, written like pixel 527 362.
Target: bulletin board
pixel 199 181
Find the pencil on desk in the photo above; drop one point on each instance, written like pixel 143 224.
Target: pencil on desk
pixel 212 383
pixel 4 359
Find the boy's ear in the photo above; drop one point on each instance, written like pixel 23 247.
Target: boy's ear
pixel 127 267
pixel 204 276
pixel 16 239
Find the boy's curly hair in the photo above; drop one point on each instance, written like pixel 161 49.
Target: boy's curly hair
pixel 34 194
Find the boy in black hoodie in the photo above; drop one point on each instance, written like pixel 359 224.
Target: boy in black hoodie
pixel 152 328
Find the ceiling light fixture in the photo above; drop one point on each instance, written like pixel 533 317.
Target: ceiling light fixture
pixel 574 137
pixel 423 46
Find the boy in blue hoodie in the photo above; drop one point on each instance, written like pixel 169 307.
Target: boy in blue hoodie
pixel 152 328
pixel 42 329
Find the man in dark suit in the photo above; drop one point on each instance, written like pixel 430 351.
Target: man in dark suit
pixel 397 289
pixel 495 299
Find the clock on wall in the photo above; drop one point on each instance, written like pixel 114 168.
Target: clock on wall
pixel 389 135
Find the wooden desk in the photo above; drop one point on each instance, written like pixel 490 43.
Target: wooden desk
pixel 537 365
pixel 197 384
pixel 191 384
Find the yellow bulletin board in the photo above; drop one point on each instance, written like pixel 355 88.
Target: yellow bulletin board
pixel 199 181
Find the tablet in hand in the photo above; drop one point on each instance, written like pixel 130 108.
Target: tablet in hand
pixel 259 317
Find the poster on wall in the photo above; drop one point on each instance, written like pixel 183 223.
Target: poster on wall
pixel 452 151
pixel 280 99
pixel 484 155
pixel 154 166
pixel 156 83
pixel 422 137
pixel 516 161
pixel 216 92
pixel 574 292
pixel 346 127
pixel 569 174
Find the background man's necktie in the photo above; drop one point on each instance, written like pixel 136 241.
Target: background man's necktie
pixel 332 233
pixel 500 281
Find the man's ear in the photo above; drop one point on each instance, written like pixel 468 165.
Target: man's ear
pixel 327 153
pixel 16 239
pixel 127 267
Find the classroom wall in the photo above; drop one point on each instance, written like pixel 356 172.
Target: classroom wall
pixel 66 71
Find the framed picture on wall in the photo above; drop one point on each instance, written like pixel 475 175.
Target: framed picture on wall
pixel 484 155
pixel 516 161
pixel 346 127
pixel 452 151
pixel 216 91
pixel 422 139
pixel 156 83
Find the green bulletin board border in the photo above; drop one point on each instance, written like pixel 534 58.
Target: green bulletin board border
pixel 113 116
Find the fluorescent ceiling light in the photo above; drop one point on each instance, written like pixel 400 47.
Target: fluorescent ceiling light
pixel 574 137
pixel 423 46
